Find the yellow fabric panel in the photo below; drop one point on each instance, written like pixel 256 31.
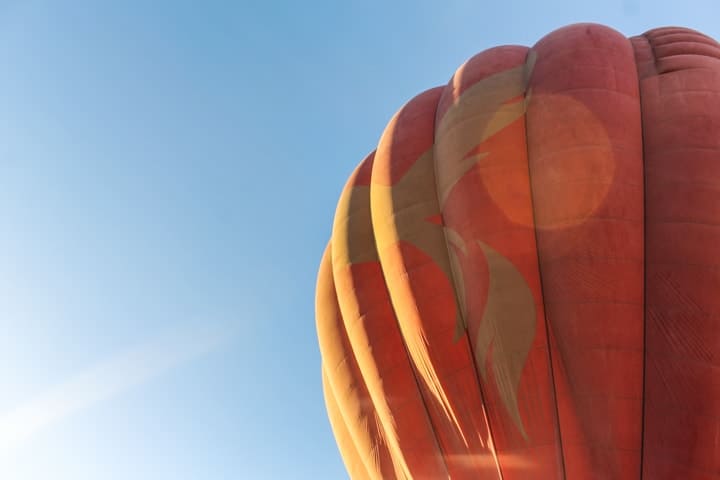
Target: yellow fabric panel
pixel 346 445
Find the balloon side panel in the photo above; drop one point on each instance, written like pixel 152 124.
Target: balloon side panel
pixel 680 91
pixel 585 159
pixel 347 385
pixel 375 337
pixel 484 193
pixel 414 258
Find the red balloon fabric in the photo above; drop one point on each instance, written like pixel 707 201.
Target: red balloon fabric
pixel 523 279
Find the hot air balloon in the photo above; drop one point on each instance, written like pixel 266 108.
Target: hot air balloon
pixel 523 279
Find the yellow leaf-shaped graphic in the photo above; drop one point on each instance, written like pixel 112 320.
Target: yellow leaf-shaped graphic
pixel 508 327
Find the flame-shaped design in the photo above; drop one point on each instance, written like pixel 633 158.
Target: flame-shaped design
pixel 507 328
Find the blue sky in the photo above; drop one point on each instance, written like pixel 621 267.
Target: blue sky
pixel 168 176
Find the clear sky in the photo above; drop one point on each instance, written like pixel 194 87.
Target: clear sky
pixel 168 176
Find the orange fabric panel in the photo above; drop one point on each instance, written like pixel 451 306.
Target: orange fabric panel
pixel 346 383
pixel 415 263
pixel 375 337
pixel 585 157
pixel 481 155
pixel 681 127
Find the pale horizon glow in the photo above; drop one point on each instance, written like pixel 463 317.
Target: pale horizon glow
pixel 108 378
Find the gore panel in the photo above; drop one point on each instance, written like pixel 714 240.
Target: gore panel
pixel 484 192
pixel 680 92
pixel 413 254
pixel 585 155
pixel 375 337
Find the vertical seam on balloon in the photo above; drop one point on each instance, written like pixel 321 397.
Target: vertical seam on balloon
pixel 644 38
pixel 542 291
pixel 466 336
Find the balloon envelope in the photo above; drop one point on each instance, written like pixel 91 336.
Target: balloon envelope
pixel 523 278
